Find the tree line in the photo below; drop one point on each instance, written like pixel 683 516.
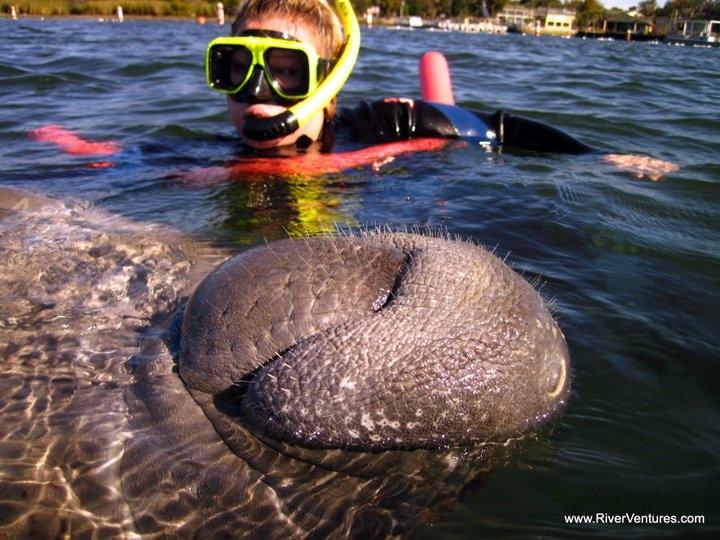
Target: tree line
pixel 152 8
pixel 685 9
pixel 586 9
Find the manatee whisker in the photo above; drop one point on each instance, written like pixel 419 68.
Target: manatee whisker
pixel 462 360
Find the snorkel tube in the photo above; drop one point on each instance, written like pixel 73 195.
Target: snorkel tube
pixel 285 123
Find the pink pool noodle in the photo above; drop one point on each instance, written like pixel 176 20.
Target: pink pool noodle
pixel 71 143
pixel 435 82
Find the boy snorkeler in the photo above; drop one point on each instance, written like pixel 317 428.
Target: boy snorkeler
pixel 281 52
pixel 285 51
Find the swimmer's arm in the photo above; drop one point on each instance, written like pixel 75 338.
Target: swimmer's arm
pixel 375 122
pixel 394 119
pixel 640 166
pixel 400 119
pixel 527 134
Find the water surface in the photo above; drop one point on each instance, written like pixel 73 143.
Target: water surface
pixel 631 266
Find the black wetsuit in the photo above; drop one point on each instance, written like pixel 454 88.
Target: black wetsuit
pixel 398 119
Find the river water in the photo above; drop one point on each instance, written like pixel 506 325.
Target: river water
pixel 631 265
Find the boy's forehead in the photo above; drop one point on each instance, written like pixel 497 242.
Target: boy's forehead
pixel 298 29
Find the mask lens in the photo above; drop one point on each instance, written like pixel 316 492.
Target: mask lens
pixel 289 69
pixel 229 66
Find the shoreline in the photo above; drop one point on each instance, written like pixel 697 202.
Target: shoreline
pixel 380 23
pixel 111 18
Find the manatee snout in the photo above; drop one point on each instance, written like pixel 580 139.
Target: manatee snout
pixel 374 342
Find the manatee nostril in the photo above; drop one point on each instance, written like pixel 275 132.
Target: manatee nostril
pixel 387 296
pixel 554 374
pixel 398 342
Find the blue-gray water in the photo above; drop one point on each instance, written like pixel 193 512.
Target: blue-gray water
pixel 632 265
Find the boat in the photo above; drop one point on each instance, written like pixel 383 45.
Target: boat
pixel 697 34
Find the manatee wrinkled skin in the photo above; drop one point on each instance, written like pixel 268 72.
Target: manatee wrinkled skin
pixel 374 342
pixel 14 200
pixel 316 388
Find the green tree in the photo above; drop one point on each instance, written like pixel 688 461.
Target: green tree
pixel 712 10
pixel 460 8
pixel 496 6
pixel 444 7
pixel 684 9
pixel 543 3
pixel 414 7
pixel 360 6
pixel 648 7
pixel 390 8
pixel 589 13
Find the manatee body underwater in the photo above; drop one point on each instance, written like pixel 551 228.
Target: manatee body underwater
pixel 323 387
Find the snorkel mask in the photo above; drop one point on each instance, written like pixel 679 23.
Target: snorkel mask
pixel 291 67
pixel 241 65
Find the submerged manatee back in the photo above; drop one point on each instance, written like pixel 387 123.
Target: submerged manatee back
pixel 375 342
pixel 337 386
pixel 250 413
pixel 76 286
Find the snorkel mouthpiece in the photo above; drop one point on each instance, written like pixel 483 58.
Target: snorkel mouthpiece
pixel 286 123
pixel 266 129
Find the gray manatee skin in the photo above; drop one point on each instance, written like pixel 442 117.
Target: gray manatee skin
pixel 14 200
pixel 250 412
pixel 375 342
pixel 336 387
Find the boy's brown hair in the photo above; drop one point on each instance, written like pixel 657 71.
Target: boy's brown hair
pixel 315 13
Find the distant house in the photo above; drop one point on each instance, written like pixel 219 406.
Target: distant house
pixel 667 25
pixel 541 21
pixel 518 17
pixel 559 22
pixel 698 33
pixel 702 30
pixel 619 22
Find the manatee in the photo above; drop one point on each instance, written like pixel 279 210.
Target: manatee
pixel 335 386
pixel 378 342
pixel 13 200
pixel 347 386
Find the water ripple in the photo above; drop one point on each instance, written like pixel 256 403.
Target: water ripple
pixel 632 265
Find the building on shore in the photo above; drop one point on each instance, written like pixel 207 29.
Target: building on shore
pixel 539 21
pixel 487 26
pixel 667 25
pixel 698 33
pixel 628 26
pixel 619 22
